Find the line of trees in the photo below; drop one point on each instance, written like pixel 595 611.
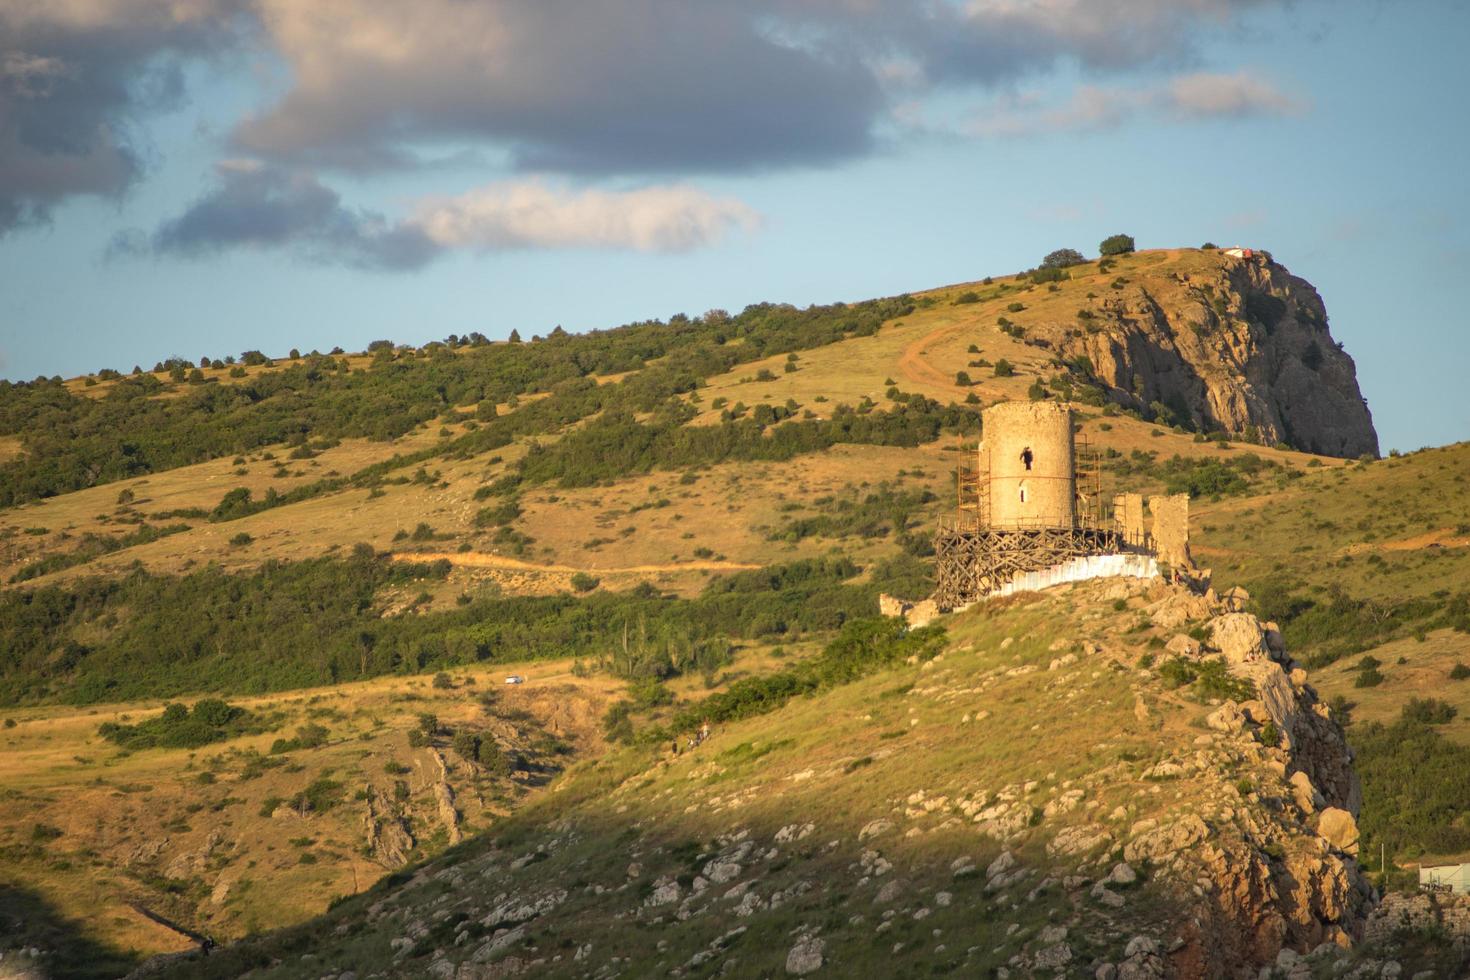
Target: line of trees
pixel 306 623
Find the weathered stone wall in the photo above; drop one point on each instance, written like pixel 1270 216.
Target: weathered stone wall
pixel 1171 529
pixel 1030 456
pixel 1128 516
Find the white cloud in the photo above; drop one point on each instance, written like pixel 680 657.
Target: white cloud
pixel 531 214
pixel 254 205
pixel 1197 96
pixel 1205 94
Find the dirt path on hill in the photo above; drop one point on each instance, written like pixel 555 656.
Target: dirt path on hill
pixel 480 559
pixel 915 368
pixel 1443 538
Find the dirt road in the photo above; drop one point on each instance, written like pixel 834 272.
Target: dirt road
pixel 480 559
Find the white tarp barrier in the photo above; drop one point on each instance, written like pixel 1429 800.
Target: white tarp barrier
pixel 1080 570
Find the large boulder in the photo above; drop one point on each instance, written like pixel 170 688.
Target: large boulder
pixel 1179 607
pixel 1338 828
pixel 1239 637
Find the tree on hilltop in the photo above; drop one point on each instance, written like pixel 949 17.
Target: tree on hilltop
pixel 1116 245
pixel 1062 258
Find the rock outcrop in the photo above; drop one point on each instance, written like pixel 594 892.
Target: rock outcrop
pixel 1239 344
pixel 388 838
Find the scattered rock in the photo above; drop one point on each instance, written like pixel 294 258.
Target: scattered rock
pixel 805 957
pixel 1227 718
pixel 1003 863
pixel 1183 646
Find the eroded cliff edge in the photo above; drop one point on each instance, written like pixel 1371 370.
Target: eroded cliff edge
pixel 1233 344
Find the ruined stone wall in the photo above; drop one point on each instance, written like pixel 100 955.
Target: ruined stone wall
pixel 1171 529
pixel 1128 517
pixel 1030 455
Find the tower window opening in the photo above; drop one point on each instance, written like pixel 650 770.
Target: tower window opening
pixel 1026 457
pixel 1023 495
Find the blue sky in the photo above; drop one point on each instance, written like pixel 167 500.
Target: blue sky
pixel 251 176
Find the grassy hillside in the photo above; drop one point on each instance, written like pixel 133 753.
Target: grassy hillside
pixel 993 806
pixel 654 515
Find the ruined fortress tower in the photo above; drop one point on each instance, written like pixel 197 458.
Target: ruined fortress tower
pixel 1030 500
pixel 1030 461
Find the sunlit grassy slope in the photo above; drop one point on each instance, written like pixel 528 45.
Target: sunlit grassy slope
pixel 671 520
pixel 1388 532
pixel 858 817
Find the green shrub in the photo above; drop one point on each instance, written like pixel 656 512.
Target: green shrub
pixel 1003 368
pixel 489 756
pixel 1062 258
pixel 1459 671
pixel 308 736
pixel 177 727
pixel 498 515
pixel 1116 245
pixel 319 796
pixel 582 582
pixel 1428 711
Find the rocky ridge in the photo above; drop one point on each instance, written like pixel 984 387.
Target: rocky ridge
pixel 1240 345
pixel 1226 849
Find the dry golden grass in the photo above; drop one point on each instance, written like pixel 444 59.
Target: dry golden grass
pixel 1425 673
pixel 115 809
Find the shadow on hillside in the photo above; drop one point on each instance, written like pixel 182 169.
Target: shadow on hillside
pixel 28 921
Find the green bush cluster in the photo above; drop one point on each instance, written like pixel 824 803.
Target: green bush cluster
pixel 300 624
pixel 1415 795
pixel 93 545
pixel 73 441
pixel 179 727
pixel 884 511
pixel 1323 630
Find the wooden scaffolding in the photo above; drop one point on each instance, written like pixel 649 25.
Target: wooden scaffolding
pixel 971 558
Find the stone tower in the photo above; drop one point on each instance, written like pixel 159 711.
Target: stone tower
pixel 1030 457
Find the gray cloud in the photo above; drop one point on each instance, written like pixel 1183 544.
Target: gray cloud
pixel 615 87
pixel 262 207
pixel 259 206
pixel 648 86
pixel 74 77
pixel 637 86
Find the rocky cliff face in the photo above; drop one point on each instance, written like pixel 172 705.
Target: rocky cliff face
pixel 1235 344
